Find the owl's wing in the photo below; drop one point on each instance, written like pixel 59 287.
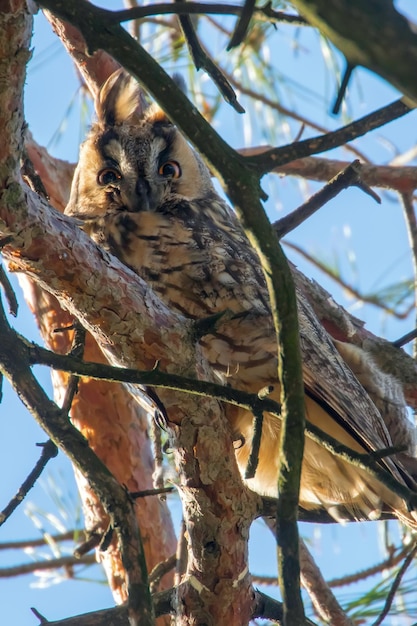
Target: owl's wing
pixel 331 384
pixel 328 379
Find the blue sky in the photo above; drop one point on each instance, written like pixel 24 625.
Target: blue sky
pixel 369 240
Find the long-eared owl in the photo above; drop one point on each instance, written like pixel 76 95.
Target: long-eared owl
pixel 147 197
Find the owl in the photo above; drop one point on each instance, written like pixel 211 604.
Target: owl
pixel 142 193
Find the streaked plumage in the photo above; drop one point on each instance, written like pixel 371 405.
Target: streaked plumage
pixel 146 196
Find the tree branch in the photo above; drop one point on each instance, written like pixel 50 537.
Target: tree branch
pixel 69 535
pixel 47 564
pixel 352 27
pixel 402 179
pixel 49 451
pixel 322 597
pixel 271 159
pixel 376 299
pixel 242 24
pixel 266 12
pixel 204 61
pixel 250 402
pixel 350 176
pixel 390 598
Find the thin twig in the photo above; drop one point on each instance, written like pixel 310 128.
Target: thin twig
pixel 40 617
pixel 271 609
pixel 202 8
pixel 349 176
pixel 203 61
pixel 160 570
pixel 320 516
pixel 49 451
pixel 347 75
pixel 280 108
pixel 390 598
pixel 255 447
pixel 94 539
pixel 349 579
pixel 242 24
pixel 69 535
pixel 267 161
pixel 411 224
pixel 47 564
pixel 388 563
pixel 402 341
pixel 150 492
pixel 77 351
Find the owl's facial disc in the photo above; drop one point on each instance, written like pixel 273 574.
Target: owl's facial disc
pixel 129 181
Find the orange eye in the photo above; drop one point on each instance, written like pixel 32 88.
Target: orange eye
pixel 170 169
pixel 108 176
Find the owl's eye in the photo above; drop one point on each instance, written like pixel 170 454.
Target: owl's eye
pixel 170 169
pixel 108 175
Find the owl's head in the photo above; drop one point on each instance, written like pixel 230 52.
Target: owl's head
pixel 134 158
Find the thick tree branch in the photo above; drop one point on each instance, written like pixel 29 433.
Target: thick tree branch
pixel 402 179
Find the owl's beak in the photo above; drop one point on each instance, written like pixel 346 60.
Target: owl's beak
pixel 147 196
pixel 143 194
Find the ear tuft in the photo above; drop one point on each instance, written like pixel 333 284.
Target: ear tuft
pixel 120 100
pixel 156 115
